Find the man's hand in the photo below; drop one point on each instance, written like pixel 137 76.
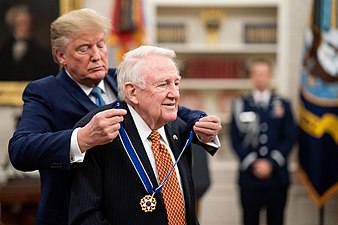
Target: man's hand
pixel 262 168
pixel 101 129
pixel 207 128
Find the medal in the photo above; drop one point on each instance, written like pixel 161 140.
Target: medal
pixel 278 109
pixel 148 203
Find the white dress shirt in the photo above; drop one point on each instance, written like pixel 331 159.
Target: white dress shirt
pixel 76 156
pixel 262 97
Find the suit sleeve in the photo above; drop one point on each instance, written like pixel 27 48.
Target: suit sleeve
pixel 189 116
pixel 85 206
pixel 35 144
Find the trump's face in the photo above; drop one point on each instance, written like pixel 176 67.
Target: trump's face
pixel 157 102
pixel 85 58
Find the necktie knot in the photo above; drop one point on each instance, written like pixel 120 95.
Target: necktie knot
pixel 97 93
pixel 154 136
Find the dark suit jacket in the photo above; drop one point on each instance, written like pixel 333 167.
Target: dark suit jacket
pixel 52 106
pixel 280 133
pixel 107 190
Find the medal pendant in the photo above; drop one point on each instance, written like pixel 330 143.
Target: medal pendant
pixel 148 203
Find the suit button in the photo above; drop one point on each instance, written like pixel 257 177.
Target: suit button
pixel 263 139
pixel 264 127
pixel 263 151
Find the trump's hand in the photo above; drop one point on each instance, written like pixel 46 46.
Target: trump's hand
pixel 101 129
pixel 207 128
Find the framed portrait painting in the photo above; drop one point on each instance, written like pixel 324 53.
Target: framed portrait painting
pixel 25 51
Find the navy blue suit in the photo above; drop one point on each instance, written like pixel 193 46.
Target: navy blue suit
pixel 107 190
pixel 52 106
pixel 268 133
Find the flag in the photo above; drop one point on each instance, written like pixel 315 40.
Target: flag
pixel 318 112
pixel 128 26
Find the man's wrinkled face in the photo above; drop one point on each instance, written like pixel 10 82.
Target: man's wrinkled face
pixel 85 58
pixel 158 101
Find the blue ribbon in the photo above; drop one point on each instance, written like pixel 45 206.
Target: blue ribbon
pixel 131 152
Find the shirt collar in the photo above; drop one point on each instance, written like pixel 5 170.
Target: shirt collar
pixel 87 89
pixel 261 95
pixel 143 129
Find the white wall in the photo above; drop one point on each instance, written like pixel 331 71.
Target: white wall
pixel 298 21
pixel 103 7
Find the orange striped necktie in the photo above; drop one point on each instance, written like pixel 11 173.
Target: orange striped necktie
pixel 171 191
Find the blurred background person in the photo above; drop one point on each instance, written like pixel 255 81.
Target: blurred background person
pixel 21 58
pixel 262 134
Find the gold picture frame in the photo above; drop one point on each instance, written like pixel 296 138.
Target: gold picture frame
pixel 11 91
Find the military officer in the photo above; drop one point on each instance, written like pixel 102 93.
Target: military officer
pixel 262 134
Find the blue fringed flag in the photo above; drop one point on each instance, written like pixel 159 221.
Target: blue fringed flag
pixel 318 141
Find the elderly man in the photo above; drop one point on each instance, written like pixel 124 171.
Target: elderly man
pixel 45 139
pixel 129 181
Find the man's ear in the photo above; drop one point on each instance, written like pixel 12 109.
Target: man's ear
pixel 130 92
pixel 60 57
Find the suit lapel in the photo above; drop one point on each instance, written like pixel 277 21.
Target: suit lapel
pixel 74 90
pixel 111 80
pixel 131 130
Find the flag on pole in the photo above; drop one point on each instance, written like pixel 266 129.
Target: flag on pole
pixel 318 113
pixel 128 26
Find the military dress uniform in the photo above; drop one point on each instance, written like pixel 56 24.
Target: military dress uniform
pixel 263 130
